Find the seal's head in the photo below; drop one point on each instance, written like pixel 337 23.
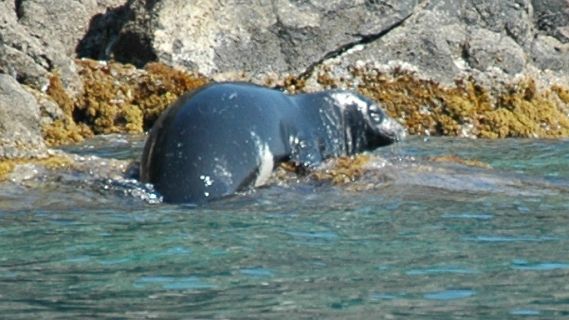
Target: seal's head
pixel 379 129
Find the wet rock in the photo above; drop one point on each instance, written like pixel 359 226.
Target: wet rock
pixel 20 134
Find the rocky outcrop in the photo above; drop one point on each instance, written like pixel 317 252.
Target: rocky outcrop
pixel 467 67
pixel 449 39
pixel 257 37
pixel 38 37
pixel 442 39
pixel 20 133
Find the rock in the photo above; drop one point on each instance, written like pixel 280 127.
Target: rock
pixel 308 45
pixel 39 36
pixel 552 18
pixel 548 53
pixel 103 32
pixel 443 39
pixel 20 134
pixel 487 49
pixel 251 36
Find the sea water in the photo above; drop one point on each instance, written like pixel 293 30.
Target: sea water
pixel 414 239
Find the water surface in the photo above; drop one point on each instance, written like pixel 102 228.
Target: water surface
pixel 414 239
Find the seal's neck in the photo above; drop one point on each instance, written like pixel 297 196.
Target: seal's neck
pixel 354 128
pixel 344 130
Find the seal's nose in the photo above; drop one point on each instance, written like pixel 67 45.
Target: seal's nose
pixel 392 130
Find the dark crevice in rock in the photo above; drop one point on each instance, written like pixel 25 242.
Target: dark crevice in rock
pixel 280 30
pixel 465 52
pixel 149 5
pixel 134 48
pixel 18 6
pixel 362 40
pixel 49 65
pixel 102 32
pixel 107 38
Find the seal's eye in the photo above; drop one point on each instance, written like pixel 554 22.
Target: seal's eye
pixel 375 114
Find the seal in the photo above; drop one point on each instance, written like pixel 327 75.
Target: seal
pixel 227 137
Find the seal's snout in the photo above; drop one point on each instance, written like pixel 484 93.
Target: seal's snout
pixel 392 130
pixel 383 130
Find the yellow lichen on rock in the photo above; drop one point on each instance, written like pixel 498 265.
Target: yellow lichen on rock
pixel 562 93
pixel 120 98
pixel 6 167
pixel 160 86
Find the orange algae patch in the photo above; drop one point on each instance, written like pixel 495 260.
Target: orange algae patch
pixel 468 108
pixel 524 111
pixel 344 170
pixel 117 98
pixel 6 167
pixel 63 130
pixel 459 160
pixel 51 163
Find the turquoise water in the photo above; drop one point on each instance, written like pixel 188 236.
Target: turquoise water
pixel 413 239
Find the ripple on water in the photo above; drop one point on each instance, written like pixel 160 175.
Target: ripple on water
pixel 511 238
pixel 440 270
pixel 449 294
pixel 521 264
pixel 473 216
pixel 257 272
pixel 524 312
pixel 314 235
pixel 171 283
pixel 381 296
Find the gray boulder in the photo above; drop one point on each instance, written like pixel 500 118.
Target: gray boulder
pixel 443 39
pixel 40 36
pixel 551 17
pixel 20 133
pixel 448 39
pixel 252 36
pixel 37 38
